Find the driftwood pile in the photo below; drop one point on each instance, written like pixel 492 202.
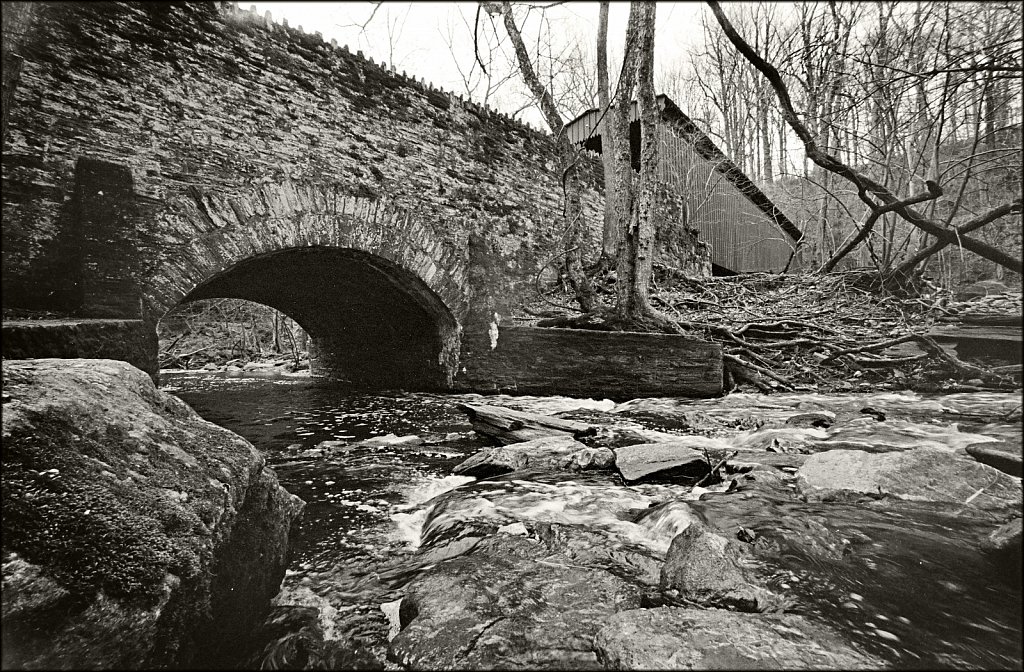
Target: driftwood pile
pixel 830 332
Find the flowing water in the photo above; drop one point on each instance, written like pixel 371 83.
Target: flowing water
pixel 906 584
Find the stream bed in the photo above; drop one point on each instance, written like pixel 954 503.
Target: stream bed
pixel 905 583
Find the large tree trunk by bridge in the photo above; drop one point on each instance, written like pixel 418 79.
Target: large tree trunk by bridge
pixel 610 231
pixel 636 202
pixel 632 202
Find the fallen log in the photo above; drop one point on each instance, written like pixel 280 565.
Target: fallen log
pixel 507 425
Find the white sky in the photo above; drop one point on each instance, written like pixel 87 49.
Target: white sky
pixel 412 35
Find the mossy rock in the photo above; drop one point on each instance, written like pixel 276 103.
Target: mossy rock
pixel 130 524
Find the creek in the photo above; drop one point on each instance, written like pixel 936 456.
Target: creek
pixel 919 595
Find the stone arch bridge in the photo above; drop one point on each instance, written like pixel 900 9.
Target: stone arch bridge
pixel 157 153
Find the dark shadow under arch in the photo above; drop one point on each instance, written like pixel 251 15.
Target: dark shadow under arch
pixel 371 322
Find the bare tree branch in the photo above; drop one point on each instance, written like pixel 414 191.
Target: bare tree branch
pixel 362 26
pixel 828 162
pixel 476 49
pixel 934 191
pixel 976 223
pixel 540 93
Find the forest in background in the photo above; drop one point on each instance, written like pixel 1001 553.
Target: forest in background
pixel 904 92
pixel 223 331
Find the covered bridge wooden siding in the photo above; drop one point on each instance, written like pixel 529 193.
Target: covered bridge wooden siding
pixel 746 230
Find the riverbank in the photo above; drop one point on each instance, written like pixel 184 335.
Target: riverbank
pixel 823 333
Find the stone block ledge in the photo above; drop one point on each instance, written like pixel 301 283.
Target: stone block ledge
pixel 132 341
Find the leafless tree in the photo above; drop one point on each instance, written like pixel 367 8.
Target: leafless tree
pixel 635 194
pixel 632 195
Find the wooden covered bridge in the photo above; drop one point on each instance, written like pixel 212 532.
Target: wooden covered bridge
pixel 747 232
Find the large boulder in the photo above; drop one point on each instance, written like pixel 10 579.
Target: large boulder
pixel 922 474
pixel 135 533
pixel 675 638
pixel 511 603
pixel 711 570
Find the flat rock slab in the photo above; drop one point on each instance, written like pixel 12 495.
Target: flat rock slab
pixel 681 457
pixel 674 638
pixel 923 474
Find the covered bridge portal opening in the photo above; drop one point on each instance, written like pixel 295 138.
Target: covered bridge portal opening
pixel 747 232
pixel 370 322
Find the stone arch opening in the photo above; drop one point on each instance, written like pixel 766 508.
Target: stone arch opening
pixel 370 322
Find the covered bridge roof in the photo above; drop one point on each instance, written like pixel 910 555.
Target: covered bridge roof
pixel 585 130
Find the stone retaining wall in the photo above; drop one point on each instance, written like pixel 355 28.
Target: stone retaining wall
pixel 583 363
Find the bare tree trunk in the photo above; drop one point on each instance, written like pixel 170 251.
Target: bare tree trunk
pixel 638 219
pixel 783 157
pixel 647 196
pixel 767 173
pixel 277 331
pixel 291 338
pixel 256 336
pixel 610 231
